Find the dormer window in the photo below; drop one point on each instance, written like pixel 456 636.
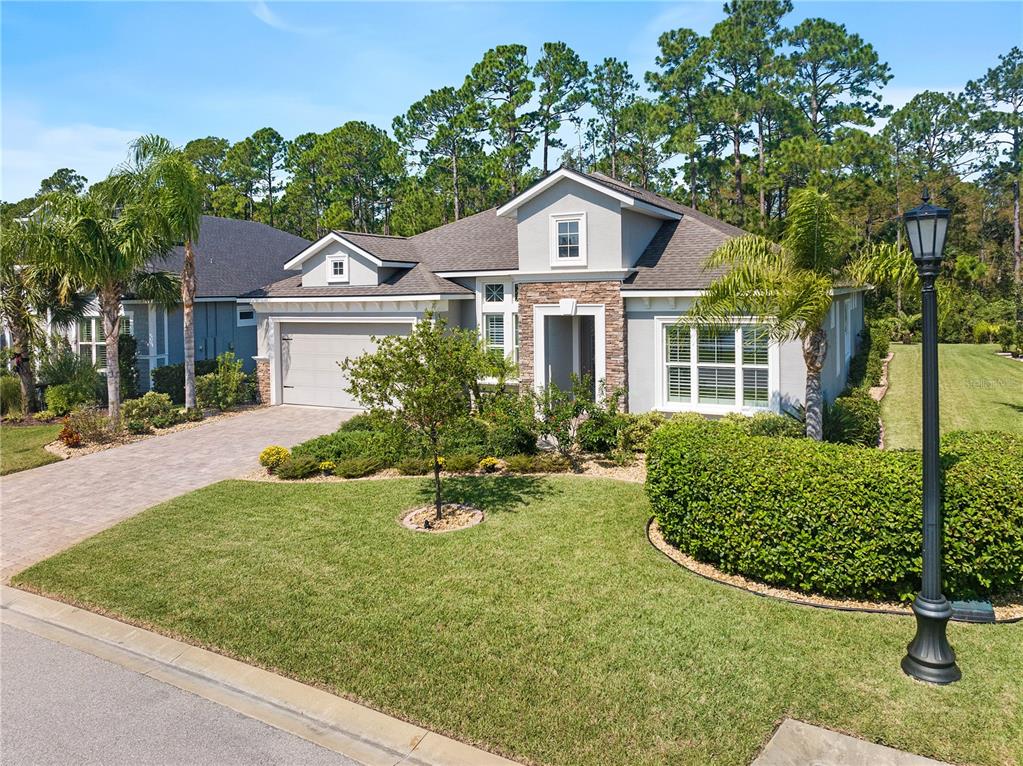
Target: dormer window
pixel 337 268
pixel 568 239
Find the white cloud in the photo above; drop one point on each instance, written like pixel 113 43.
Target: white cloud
pixel 32 150
pixel 261 10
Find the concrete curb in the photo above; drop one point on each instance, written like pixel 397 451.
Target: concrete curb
pixel 356 731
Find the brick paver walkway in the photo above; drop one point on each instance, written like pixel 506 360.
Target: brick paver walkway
pixel 46 509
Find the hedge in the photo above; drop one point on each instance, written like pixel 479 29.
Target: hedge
pixel 170 379
pixel 834 519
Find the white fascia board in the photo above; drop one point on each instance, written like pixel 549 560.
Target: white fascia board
pixel 255 302
pixel 662 293
pixel 334 238
pixel 541 276
pixel 655 212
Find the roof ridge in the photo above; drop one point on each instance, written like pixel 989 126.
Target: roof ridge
pixel 369 234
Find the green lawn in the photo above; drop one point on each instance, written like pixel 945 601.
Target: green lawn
pixel 978 391
pixel 553 631
pixel 21 447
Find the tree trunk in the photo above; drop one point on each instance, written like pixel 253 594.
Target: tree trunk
pixel 692 181
pixel 761 169
pixel 1017 271
pixel 436 485
pixel 815 351
pixel 546 146
pixel 23 366
pixel 188 322
pixel 737 167
pixel 454 184
pixel 110 310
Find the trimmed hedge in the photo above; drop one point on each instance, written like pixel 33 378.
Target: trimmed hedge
pixel 834 519
pixel 853 418
pixel 170 379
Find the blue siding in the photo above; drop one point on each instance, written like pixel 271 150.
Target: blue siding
pixel 216 331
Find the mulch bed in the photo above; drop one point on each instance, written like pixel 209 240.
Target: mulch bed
pixel 454 516
pixel 1007 608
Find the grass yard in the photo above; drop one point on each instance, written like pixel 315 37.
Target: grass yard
pixel 21 447
pixel 979 391
pixel 552 632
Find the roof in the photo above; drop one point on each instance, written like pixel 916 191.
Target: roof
pixel 234 257
pixel 481 242
pixel 418 280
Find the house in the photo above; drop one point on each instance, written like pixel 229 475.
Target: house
pixel 232 258
pixel 577 274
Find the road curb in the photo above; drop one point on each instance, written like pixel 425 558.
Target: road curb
pixel 356 731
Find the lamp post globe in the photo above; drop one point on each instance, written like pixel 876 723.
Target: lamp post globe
pixel 929 657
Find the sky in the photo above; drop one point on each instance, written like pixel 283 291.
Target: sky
pixel 80 81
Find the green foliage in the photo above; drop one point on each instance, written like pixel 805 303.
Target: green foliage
pixel 489 465
pixel 136 426
pixel 60 365
pixel 297 467
pixel 1006 336
pixel 327 467
pixel 148 407
pixel 166 420
pixel 127 363
pixel 226 387
pixel 853 418
pixel 468 434
pixel 91 425
pixel 511 426
pixel 271 457
pixel 10 396
pixel 543 462
pixel 766 424
pixel 414 466
pixel 638 429
pixel 381 446
pixel 66 397
pixel 866 365
pixel 170 379
pixel 519 464
pixel 834 519
pixel 356 467
pixel 558 412
pixel 461 462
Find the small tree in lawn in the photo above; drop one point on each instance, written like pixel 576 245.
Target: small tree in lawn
pixel 422 378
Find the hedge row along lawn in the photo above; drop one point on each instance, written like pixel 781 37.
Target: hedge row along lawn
pixel 552 632
pixel 21 447
pixel 979 391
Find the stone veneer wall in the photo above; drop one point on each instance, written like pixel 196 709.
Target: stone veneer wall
pixel 263 381
pixel 607 293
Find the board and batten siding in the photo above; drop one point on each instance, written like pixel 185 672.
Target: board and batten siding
pixel 216 331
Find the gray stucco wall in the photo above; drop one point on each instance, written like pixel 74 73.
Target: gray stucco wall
pixel 603 227
pixel 637 231
pixel 360 270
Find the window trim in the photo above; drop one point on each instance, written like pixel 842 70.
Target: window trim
pixel 239 322
pixel 487 286
pixel 99 337
pixel 661 401
pixel 332 278
pixel 552 236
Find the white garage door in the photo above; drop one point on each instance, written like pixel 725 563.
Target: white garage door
pixel 310 353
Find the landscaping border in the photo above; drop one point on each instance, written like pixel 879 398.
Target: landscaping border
pixel 755 588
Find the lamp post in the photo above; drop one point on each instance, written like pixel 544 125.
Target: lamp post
pixel 929 656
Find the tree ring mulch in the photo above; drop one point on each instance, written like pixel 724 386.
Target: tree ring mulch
pixel 1009 610
pixel 454 516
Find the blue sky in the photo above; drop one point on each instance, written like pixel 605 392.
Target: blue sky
pixel 81 80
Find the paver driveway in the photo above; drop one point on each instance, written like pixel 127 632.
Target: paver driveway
pixel 46 509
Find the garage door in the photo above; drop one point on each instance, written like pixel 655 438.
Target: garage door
pixel 310 353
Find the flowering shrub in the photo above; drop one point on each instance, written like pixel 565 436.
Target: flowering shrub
pixel 490 465
pixel 273 456
pixel 327 466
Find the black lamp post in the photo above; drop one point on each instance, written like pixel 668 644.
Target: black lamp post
pixel 929 656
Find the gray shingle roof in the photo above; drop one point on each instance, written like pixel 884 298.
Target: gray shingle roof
pixel 384 247
pixel 234 257
pixel 418 280
pixel 481 242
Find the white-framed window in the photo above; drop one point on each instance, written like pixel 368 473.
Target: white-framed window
pixel 337 268
pixel 92 342
pixel 568 239
pixel 246 315
pixel 493 293
pixel 493 333
pixel 515 349
pixel 715 369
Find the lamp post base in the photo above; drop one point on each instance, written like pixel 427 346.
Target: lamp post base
pixel 929 657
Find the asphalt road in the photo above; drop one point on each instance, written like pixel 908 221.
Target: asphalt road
pixel 61 706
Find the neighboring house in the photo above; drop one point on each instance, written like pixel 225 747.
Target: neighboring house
pixel 578 274
pixel 232 258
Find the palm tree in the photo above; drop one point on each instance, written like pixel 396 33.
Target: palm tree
pixel 789 286
pixel 888 265
pixel 35 298
pixel 104 241
pixel 173 190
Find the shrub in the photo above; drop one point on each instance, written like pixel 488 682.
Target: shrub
pixel 170 379
pixel 767 424
pixel 377 420
pixel 135 426
pixel 853 418
pixel 414 466
pixel 867 364
pixel 193 415
pixel 65 397
pixel 226 387
pixel 385 447
pixel 172 418
pixel 511 426
pixel 357 467
pixel 834 519
pixel 601 431
pixel 464 436
pixel 1005 337
pixel 638 429
pixel 986 332
pixel 147 407
pixel 519 464
pixel 272 457
pixel 92 425
pixel 59 365
pixel 44 415
pixel 10 395
pixel 551 462
pixel 462 462
pixel 69 436
pixel 297 467
pixel 489 465
pixel 328 467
